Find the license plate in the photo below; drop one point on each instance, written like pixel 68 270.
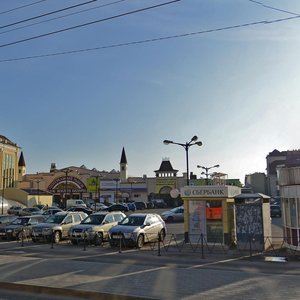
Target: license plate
pixel 118 236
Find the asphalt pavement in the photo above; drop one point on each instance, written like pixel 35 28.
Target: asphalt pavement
pixel 39 271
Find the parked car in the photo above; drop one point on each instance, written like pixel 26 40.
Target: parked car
pixel 5 219
pixel 131 206
pixel 28 211
pixel 86 210
pixel 137 229
pixel 75 202
pixel 51 211
pixel 140 205
pixel 176 214
pixel 94 228
pixel 159 203
pixel 20 225
pixel 275 210
pixel 117 207
pixel 14 210
pixel 57 227
pixel 98 206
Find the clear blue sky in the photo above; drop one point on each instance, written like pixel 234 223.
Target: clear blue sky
pixel 236 89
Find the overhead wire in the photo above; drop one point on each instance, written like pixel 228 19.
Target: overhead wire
pixel 273 8
pixel 21 7
pixel 63 16
pixel 47 14
pixel 88 23
pixel 264 22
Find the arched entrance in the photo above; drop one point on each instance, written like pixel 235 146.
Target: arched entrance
pixel 66 187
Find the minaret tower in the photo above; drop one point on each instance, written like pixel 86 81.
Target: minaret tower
pixel 123 167
pixel 21 167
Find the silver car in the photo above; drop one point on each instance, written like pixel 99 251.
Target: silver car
pixel 57 226
pixel 137 229
pixel 94 228
pixel 174 215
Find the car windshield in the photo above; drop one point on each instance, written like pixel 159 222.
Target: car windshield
pixel 56 219
pixel 20 221
pixel 93 219
pixel 133 221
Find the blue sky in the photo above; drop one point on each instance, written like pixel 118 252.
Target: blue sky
pixel 237 89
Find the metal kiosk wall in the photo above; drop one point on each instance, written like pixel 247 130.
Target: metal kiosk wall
pixel 209 213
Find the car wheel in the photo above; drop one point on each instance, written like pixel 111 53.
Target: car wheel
pixel 140 241
pixel 56 238
pixel 170 219
pixel 98 239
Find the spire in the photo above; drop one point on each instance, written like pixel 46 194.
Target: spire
pixel 123 157
pixel 21 162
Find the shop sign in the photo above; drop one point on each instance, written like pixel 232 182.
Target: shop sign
pixel 210 191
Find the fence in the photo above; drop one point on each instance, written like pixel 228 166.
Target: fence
pixel 177 243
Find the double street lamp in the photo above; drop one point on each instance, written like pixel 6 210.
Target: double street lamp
pixel 186 146
pixel 206 171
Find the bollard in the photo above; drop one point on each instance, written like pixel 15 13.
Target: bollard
pixel 120 244
pixel 159 240
pixel 250 245
pixel 84 240
pixel 202 246
pixel 22 237
pixel 52 238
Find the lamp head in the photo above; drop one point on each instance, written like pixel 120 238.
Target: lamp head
pixel 194 138
pixel 216 166
pixel 198 143
pixel 167 142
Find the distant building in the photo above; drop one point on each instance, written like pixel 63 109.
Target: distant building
pixel 257 182
pixel 276 159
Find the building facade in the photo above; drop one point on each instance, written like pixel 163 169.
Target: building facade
pixel 257 182
pixel 9 158
pixel 289 182
pixel 276 159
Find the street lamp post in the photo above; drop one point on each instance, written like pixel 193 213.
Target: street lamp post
pixel 206 171
pixel 38 189
pixel 116 190
pixel 131 183
pixel 2 203
pixel 66 171
pixel 186 146
pixel 97 188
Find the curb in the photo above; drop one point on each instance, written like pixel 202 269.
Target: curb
pixel 80 294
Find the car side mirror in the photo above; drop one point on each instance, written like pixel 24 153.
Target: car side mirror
pixel 147 224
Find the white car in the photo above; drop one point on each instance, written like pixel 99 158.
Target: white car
pixel 137 229
pixel 174 215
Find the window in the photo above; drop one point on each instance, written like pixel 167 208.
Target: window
pixel 68 220
pixel 76 218
pixel 109 219
pixel 118 217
